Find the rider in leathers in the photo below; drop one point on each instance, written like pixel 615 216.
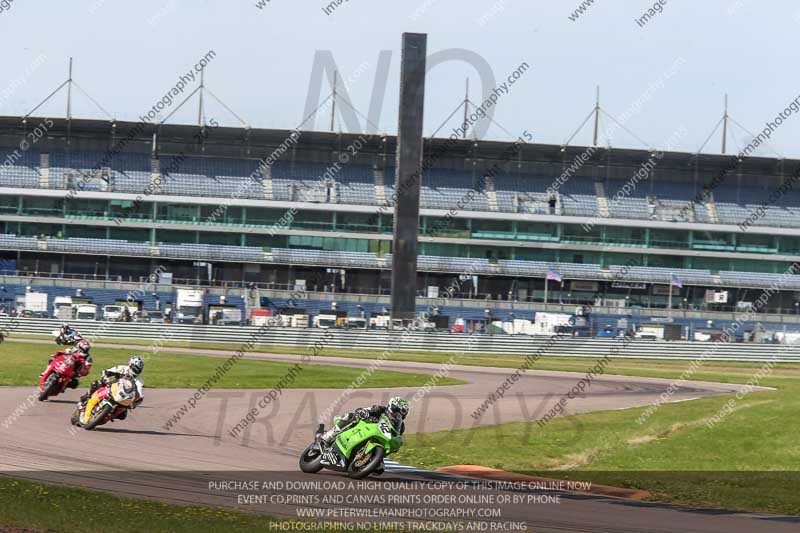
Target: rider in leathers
pixel 396 409
pixel 133 370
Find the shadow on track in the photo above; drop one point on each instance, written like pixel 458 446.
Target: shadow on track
pixel 146 432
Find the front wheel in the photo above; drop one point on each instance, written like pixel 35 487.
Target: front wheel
pixel 311 459
pixel 49 387
pixel 99 417
pixel 365 463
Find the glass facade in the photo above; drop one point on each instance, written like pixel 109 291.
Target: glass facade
pixel 112 212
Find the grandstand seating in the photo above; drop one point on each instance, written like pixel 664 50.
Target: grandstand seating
pixel 21 172
pixel 341 259
pixel 355 184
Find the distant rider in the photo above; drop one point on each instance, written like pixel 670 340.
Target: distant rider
pixel 110 375
pixel 396 410
pixel 67 335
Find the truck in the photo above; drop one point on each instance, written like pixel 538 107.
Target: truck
pixel 113 312
pixel 35 304
pixel 550 323
pixel 260 317
pixel 291 317
pixel 189 306
pixel 224 315
pixel 133 306
pixel 62 308
pixel 86 312
pixel 380 321
pixel 356 322
pixel 330 318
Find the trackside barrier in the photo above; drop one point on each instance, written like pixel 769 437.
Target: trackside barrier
pixel 380 340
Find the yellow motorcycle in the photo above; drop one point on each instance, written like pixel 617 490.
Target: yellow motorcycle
pixel 105 404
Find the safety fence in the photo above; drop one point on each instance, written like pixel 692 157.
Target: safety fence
pixel 400 340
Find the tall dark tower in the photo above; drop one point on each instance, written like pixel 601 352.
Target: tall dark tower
pixel 409 176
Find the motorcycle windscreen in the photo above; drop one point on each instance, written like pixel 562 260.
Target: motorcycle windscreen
pixel 123 392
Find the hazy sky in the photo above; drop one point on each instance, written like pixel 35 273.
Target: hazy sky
pixel 129 54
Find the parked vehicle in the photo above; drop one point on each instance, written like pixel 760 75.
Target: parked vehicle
pixel 260 317
pixel 63 309
pixel 225 315
pixel 155 317
pixel 381 321
pixel 665 332
pixel 189 306
pixel 113 313
pixel 35 304
pixel 356 323
pixel 330 318
pixel 86 312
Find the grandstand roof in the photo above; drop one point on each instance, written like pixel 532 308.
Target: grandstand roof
pixel 90 134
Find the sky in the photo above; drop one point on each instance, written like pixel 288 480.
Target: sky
pixel 658 76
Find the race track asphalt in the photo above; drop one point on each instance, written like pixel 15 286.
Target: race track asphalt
pixel 150 457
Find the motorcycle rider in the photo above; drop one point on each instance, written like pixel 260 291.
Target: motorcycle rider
pixel 80 353
pixel 67 335
pixel 396 409
pixel 110 375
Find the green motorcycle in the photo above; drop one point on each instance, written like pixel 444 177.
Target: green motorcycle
pixel 358 450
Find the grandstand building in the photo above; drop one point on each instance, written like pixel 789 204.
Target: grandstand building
pixel 272 207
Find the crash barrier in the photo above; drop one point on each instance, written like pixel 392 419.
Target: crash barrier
pixel 400 340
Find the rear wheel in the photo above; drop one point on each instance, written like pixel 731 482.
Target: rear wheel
pixel 365 463
pixel 49 387
pixel 99 417
pixel 311 459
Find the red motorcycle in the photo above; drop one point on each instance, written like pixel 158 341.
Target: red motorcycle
pixel 60 373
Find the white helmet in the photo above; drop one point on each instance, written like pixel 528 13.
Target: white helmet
pixel 136 364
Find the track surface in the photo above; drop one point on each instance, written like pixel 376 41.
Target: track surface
pixel 167 462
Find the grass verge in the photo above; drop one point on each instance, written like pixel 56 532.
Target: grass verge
pixel 21 363
pixel 70 510
pixel 749 461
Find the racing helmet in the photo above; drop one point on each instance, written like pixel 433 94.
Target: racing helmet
pixel 83 346
pixel 398 406
pixel 136 364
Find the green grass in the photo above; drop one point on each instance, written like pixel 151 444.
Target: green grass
pixel 750 461
pixel 21 363
pixel 52 508
pixel 714 371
